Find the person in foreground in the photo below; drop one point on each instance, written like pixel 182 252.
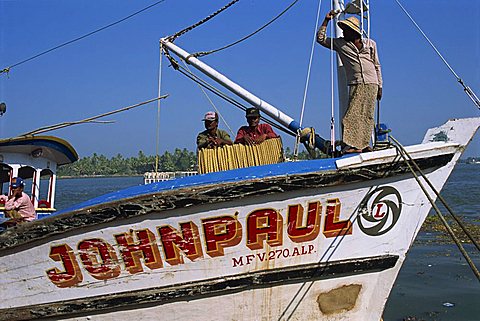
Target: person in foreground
pixel 18 206
pixel 212 137
pixel 254 133
pixel 364 77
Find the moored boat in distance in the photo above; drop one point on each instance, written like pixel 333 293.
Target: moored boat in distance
pixel 473 161
pixel 154 177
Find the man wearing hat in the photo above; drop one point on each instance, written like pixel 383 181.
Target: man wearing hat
pixel 18 206
pixel 212 137
pixel 364 77
pixel 254 133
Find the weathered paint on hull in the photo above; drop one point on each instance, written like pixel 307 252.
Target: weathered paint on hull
pixel 299 302
pixel 337 261
pixel 328 245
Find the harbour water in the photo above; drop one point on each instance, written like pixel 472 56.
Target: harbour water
pixel 435 282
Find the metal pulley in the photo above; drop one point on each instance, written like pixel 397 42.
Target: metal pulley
pixel 355 7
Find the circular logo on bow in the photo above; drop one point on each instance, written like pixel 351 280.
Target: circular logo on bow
pixel 379 211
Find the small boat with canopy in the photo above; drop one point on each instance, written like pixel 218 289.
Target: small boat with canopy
pixel 36 160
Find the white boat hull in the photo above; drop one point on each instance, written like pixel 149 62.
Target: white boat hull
pixel 316 246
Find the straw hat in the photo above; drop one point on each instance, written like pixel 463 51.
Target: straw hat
pixel 351 23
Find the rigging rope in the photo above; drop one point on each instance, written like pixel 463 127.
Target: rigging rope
pixel 466 88
pixel 210 87
pixel 157 138
pixel 211 102
pixel 307 82
pixel 409 160
pixel 219 93
pixel 229 99
pixel 332 90
pixel 204 53
pixel 187 29
pixel 327 255
pixel 88 120
pixel 460 223
pixel 7 69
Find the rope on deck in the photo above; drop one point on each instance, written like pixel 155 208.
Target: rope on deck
pixel 239 156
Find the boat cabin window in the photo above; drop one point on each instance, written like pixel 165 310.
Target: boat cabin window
pixel 46 189
pixel 44 192
pixel 28 175
pixel 5 176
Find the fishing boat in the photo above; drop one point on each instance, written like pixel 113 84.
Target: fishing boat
pixel 473 161
pixel 321 239
pixel 35 159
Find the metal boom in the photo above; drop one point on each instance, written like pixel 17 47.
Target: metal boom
pixel 241 92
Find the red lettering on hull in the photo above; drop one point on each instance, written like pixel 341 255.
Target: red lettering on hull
pixel 99 259
pixel 264 225
pixel 333 225
pixel 71 274
pixel 298 231
pixel 221 232
pixel 145 247
pixel 379 214
pixel 187 241
pixel 139 248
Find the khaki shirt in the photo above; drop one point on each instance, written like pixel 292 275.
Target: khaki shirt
pixel 202 138
pixel 361 66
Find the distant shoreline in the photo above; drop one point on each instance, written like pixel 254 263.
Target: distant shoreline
pixel 461 161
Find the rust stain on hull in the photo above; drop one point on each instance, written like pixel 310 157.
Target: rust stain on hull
pixel 339 300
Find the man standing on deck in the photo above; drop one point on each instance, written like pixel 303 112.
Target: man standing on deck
pixel 254 133
pixel 364 77
pixel 212 137
pixel 18 206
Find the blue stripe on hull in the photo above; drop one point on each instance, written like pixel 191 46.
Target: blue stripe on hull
pixel 287 168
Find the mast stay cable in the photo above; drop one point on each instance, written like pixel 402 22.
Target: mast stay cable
pixel 409 160
pixel 211 102
pixel 466 88
pixel 442 200
pixel 219 93
pixel 157 134
pixel 88 120
pixel 204 53
pixel 187 29
pixel 203 83
pixel 307 82
pixel 7 69
pixel 332 87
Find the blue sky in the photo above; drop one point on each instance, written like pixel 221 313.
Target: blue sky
pixel 119 67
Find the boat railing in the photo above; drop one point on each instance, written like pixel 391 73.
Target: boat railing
pixel 153 177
